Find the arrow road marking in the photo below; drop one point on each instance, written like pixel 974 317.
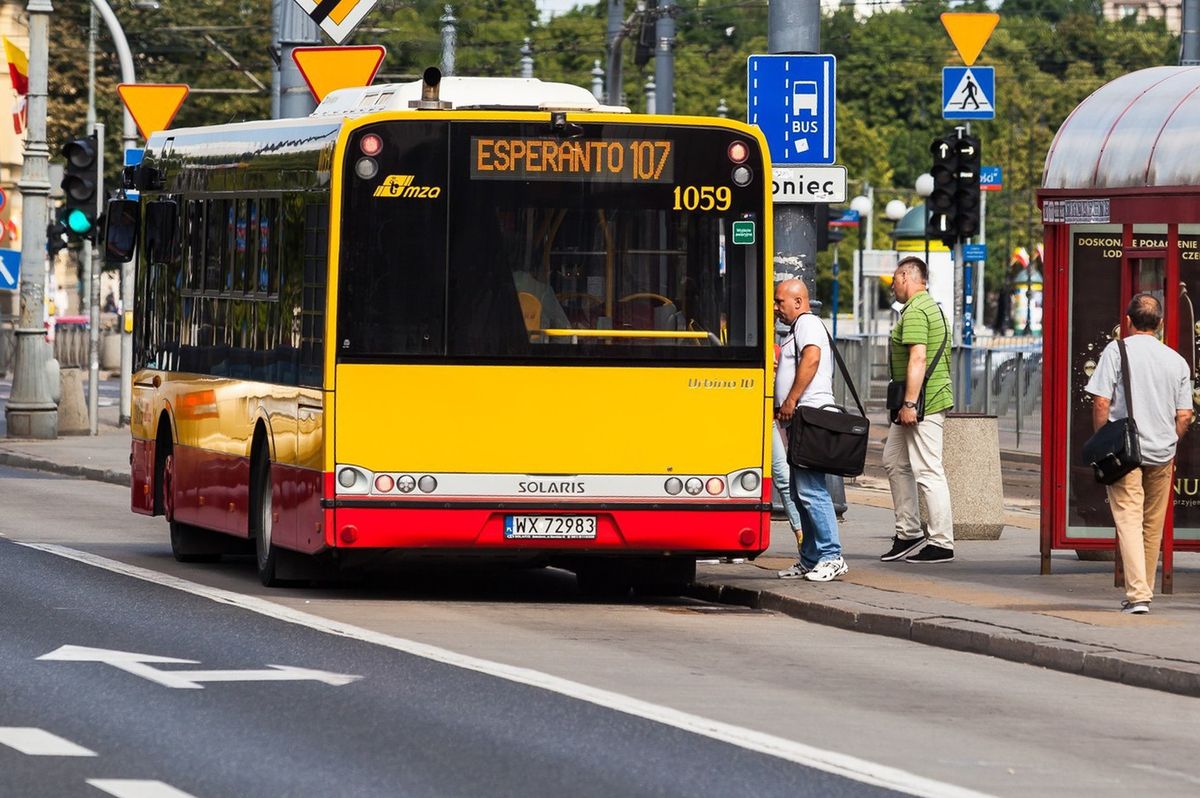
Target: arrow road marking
pixel 138 665
pixel 846 766
pixel 138 788
pixel 39 742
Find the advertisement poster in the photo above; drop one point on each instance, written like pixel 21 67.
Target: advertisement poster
pixel 1096 311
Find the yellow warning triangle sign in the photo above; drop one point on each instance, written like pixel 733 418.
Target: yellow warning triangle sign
pixel 152 105
pixel 969 32
pixel 327 69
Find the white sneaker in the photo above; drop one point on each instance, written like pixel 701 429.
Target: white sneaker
pixel 827 570
pixel 796 570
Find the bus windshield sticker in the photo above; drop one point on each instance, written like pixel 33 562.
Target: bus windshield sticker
pixel 612 160
pixel 402 186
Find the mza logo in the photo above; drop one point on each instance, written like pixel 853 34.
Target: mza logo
pixel 402 186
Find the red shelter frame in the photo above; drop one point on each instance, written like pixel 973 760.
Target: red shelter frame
pixel 1147 221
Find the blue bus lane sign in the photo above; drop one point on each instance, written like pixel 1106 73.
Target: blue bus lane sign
pixel 793 100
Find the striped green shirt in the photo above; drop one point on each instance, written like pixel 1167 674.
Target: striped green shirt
pixel 922 322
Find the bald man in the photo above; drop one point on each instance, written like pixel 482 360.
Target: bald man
pixel 804 376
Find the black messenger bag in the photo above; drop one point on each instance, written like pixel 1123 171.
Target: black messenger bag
pixel 1113 451
pixel 828 438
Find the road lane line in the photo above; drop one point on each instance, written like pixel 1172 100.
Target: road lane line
pixel 138 788
pixel 843 765
pixel 39 742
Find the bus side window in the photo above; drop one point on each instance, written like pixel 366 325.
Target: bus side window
pixel 214 246
pixel 268 246
pixel 194 259
pixel 239 230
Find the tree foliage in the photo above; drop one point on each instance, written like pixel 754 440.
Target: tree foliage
pixel 1048 54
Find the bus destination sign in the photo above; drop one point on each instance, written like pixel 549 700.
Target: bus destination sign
pixel 609 160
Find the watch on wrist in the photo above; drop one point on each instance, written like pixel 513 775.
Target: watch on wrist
pixel 913 405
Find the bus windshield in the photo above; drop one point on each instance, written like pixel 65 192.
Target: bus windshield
pixel 509 241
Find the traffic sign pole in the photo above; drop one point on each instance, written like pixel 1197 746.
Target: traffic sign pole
pixel 94 293
pixel 793 28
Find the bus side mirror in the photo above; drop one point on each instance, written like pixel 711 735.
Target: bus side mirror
pixel 120 230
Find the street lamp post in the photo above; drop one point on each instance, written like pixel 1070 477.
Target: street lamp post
pixel 862 206
pixel 924 189
pixel 31 411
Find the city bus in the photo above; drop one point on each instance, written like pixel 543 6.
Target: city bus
pixel 478 317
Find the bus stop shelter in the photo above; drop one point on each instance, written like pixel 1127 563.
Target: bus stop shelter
pixel 1120 202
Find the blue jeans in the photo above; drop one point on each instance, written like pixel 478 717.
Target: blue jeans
pixel 817 517
pixel 781 476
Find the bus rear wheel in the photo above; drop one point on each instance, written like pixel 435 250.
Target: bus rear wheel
pixel 262 521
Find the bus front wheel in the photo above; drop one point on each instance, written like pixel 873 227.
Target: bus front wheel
pixel 188 543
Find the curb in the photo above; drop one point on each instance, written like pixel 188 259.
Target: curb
pixel 975 637
pixel 84 472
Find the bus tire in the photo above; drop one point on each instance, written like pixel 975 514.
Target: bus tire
pixel 188 543
pixel 266 554
pixel 670 577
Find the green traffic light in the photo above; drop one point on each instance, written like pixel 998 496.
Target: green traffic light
pixel 78 222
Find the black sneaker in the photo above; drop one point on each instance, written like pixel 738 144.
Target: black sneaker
pixel 902 548
pixel 932 553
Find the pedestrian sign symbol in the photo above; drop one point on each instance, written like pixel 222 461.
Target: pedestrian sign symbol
pixel 10 269
pixel 968 92
pixel 793 100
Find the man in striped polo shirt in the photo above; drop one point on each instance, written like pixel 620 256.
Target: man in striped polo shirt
pixel 920 359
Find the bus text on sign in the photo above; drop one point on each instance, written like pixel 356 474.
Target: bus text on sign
pixel 614 160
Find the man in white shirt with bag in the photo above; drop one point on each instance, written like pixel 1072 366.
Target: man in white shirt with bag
pixel 1161 384
pixel 805 377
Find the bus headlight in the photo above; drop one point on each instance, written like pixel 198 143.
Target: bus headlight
pixel 352 479
pixel 674 486
pixel 749 481
pixel 427 484
pixel 742 176
pixel 366 168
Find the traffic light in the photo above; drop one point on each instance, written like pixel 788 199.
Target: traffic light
pixel 79 187
pixel 55 242
pixel 941 219
pixel 967 196
pixel 643 48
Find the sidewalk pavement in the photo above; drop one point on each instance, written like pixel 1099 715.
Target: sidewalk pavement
pixel 990 600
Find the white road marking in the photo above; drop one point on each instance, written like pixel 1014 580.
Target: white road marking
pixel 133 663
pixel 39 742
pixel 138 788
pixel 843 765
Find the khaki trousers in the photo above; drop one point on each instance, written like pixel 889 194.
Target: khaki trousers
pixel 1139 506
pixel 912 457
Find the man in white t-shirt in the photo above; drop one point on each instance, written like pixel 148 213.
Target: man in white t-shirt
pixel 805 377
pixel 1161 384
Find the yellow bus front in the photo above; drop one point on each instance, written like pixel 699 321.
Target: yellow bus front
pixel 549 335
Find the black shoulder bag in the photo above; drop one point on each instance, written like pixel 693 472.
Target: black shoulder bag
pixel 1113 451
pixel 828 438
pixel 897 388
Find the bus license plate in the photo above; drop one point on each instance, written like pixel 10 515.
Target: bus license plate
pixel 579 527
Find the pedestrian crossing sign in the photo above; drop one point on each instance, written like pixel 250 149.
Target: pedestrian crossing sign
pixel 969 92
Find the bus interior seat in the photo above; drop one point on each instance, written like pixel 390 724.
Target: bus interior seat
pixel 531 310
